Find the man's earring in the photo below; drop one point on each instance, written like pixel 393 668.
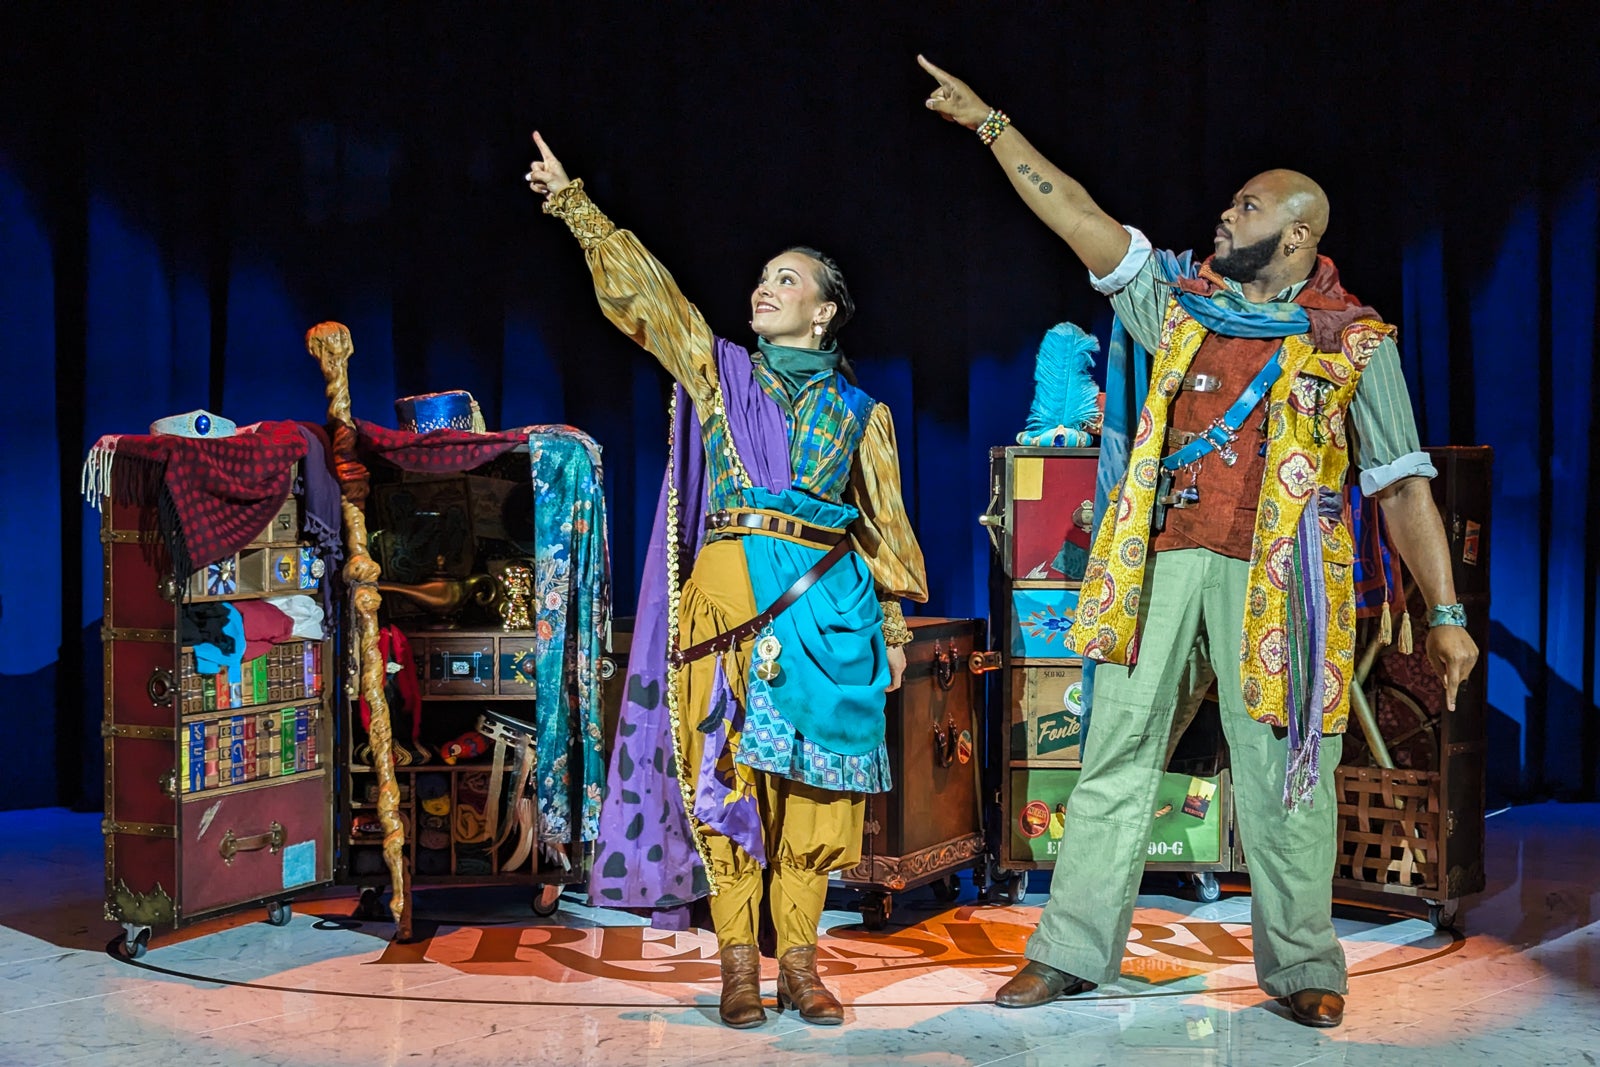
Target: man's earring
pixel 1290 249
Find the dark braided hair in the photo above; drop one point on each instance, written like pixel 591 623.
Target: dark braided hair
pixel 832 288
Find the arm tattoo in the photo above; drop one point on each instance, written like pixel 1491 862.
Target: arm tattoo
pixel 1045 187
pixel 1023 168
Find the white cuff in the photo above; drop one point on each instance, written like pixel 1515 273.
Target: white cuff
pixel 1410 465
pixel 1131 265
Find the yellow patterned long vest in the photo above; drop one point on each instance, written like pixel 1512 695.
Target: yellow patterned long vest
pixel 1307 449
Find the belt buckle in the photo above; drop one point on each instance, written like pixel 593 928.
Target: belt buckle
pixel 1225 446
pixel 719 520
pixel 1205 383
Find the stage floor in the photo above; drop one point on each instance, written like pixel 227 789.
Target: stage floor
pixel 491 984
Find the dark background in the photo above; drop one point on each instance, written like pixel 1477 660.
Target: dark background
pixel 185 188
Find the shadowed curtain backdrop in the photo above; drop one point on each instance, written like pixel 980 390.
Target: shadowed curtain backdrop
pixel 184 189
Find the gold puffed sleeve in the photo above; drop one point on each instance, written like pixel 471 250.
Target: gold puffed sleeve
pixel 639 296
pixel 882 534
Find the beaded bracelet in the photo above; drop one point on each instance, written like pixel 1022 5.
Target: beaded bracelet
pixel 993 126
pixel 1447 615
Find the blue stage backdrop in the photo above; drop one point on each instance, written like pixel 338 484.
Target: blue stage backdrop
pixel 184 190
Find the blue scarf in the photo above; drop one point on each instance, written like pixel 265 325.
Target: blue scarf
pixel 1227 312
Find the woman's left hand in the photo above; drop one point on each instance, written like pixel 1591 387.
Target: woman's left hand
pixel 546 175
pixel 897 667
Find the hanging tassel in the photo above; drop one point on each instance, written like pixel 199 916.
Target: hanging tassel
pixel 1405 644
pixel 95 481
pixel 1386 626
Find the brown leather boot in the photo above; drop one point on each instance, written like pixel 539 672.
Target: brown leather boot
pixel 741 988
pixel 1322 1008
pixel 1039 983
pixel 799 987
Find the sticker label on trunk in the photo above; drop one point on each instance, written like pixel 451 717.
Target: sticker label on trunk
pixel 299 864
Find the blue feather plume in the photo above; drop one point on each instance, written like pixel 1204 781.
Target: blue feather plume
pixel 1065 396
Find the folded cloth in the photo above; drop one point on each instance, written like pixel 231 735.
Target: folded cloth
pixel 304 613
pixel 203 624
pixel 264 626
pixel 211 659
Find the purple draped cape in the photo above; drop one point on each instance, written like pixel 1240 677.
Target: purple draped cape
pixel 645 860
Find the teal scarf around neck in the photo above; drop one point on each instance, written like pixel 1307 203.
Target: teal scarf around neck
pixel 796 366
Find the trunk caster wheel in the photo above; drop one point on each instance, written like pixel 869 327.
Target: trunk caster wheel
pixel 279 912
pixel 876 909
pixel 1014 890
pixel 371 907
pixel 946 889
pixel 546 900
pixel 135 940
pixel 1205 887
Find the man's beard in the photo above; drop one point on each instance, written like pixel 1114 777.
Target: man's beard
pixel 1244 264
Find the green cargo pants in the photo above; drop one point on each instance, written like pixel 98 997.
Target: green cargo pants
pixel 1190 597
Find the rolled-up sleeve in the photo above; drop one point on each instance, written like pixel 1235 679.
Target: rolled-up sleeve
pixel 1138 292
pixel 1384 427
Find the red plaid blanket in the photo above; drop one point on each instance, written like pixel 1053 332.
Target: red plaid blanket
pixel 213 495
pixel 443 451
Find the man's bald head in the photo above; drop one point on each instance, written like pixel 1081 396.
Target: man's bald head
pixel 1272 229
pixel 1301 199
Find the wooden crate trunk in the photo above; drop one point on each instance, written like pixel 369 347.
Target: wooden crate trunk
pixel 217 796
pixel 1038 521
pixel 1418 829
pixel 928 826
pixel 465 662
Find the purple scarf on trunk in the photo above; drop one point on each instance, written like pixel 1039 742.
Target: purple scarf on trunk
pixel 645 859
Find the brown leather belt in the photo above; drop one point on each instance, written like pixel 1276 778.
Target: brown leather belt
pixel 729 640
pixel 731 522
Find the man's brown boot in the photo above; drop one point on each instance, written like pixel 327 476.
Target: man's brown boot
pixel 1322 1008
pixel 1039 983
pixel 799 987
pixel 741 987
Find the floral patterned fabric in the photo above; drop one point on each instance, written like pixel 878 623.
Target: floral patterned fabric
pixel 572 597
pixel 771 743
pixel 1106 626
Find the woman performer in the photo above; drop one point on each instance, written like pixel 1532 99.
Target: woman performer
pixel 786 634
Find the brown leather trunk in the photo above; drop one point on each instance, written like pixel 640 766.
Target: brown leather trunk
pixel 928 826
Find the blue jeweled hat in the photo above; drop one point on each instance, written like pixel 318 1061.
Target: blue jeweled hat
pixel 453 410
pixel 200 423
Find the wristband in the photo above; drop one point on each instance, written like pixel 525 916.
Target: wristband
pixel 993 126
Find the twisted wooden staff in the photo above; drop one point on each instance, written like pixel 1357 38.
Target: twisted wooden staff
pixel 329 343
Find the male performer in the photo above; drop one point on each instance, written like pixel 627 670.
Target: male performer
pixel 1265 374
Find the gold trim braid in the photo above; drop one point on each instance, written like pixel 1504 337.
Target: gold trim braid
pixel 572 206
pixel 686 772
pixel 895 630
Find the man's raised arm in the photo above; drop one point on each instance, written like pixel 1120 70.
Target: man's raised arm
pixel 1059 201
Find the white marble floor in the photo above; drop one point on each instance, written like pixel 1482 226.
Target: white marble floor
pixel 493 985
